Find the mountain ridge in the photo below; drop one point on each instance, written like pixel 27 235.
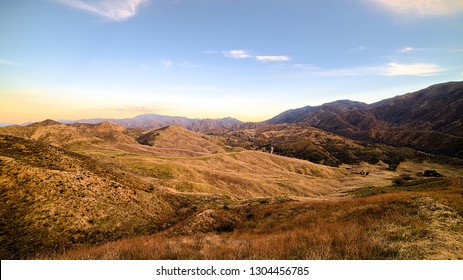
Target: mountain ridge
pixel 429 119
pixel 155 121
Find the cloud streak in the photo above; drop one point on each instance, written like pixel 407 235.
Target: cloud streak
pixel 272 58
pixel 416 69
pixel 114 10
pixel 407 50
pixel 237 54
pixel 240 54
pixel 167 62
pixel 391 69
pixel 421 8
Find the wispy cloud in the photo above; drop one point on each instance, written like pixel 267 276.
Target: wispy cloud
pixel 240 54
pixel 420 8
pixel 391 69
pixel 167 62
pixel 115 10
pixel 416 69
pixel 237 54
pixel 407 50
pixel 272 58
pixel 348 72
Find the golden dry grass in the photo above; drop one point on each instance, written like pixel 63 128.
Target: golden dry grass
pixel 175 141
pixel 397 225
pixel 112 198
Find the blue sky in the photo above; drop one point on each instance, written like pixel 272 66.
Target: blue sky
pixel 249 59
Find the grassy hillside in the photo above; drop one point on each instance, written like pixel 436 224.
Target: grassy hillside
pixel 52 198
pixel 177 141
pixel 308 143
pixel 423 220
pixel 93 191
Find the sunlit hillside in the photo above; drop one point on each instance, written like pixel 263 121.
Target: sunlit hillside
pixel 76 186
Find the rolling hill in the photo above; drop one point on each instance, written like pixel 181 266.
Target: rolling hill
pixel 65 185
pixel 53 132
pixel 175 140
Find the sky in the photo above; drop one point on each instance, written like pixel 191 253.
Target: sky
pixel 248 59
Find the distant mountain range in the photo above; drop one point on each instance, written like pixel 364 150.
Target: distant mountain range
pixel 430 119
pixel 153 121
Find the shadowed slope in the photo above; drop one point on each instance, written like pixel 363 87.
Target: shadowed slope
pixel 428 120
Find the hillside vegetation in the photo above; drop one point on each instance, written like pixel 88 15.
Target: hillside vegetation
pixel 428 120
pixel 422 220
pixel 305 142
pixel 101 185
pixel 182 194
pixel 312 183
